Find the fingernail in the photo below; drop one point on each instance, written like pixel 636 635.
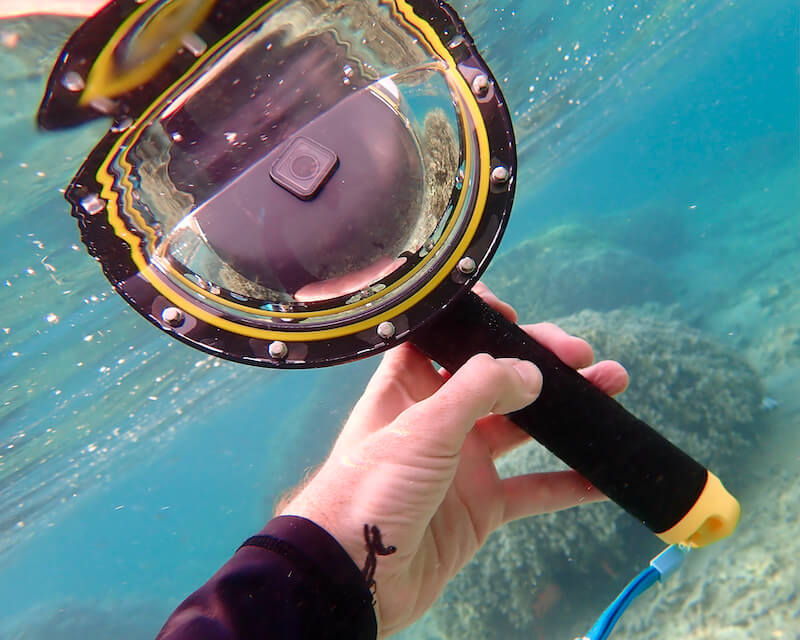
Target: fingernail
pixel 530 374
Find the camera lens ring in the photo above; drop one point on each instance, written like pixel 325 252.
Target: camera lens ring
pixel 304 166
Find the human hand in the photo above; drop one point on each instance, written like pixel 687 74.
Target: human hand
pixel 416 458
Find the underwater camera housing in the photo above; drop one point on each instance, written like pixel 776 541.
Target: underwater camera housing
pixel 301 183
pixel 308 175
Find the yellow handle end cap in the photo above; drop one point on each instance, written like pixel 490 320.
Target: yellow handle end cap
pixel 713 516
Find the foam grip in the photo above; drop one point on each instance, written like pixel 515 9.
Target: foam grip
pixel 635 466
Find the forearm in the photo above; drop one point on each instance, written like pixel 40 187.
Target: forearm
pixel 293 580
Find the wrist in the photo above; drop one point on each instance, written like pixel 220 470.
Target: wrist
pixel 314 551
pixel 328 502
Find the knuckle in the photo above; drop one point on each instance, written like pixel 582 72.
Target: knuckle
pixel 410 417
pixel 482 360
pixel 491 371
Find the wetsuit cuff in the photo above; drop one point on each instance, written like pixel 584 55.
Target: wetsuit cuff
pixel 315 552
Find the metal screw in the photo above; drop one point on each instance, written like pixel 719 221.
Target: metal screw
pixel 386 330
pixel 278 350
pixel 121 125
pixel 467 265
pixel 500 175
pixel 195 44
pixel 480 85
pixel 93 204
pixel 173 316
pixel 456 42
pixel 73 81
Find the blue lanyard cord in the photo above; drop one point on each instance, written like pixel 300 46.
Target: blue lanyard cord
pixel 664 564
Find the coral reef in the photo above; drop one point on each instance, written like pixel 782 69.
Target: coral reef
pixel 697 394
pixel 773 341
pixel 749 253
pixel 744 588
pixel 568 269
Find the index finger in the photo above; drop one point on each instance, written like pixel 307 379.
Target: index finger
pixel 494 302
pixel 537 493
pixel 574 351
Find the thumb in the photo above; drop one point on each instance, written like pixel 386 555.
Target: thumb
pixel 481 386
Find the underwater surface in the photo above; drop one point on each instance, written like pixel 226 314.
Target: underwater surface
pixel 657 215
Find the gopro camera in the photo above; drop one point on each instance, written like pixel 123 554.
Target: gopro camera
pixel 304 167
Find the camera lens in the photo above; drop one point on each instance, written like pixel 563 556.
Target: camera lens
pixel 304 167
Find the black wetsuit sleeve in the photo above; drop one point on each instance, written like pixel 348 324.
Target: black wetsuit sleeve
pixel 292 581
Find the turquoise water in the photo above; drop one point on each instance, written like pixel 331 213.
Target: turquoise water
pixel 131 467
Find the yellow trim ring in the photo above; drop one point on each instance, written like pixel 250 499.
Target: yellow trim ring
pixel 158 38
pixel 153 277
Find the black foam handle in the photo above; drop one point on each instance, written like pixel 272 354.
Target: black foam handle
pixel 631 463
